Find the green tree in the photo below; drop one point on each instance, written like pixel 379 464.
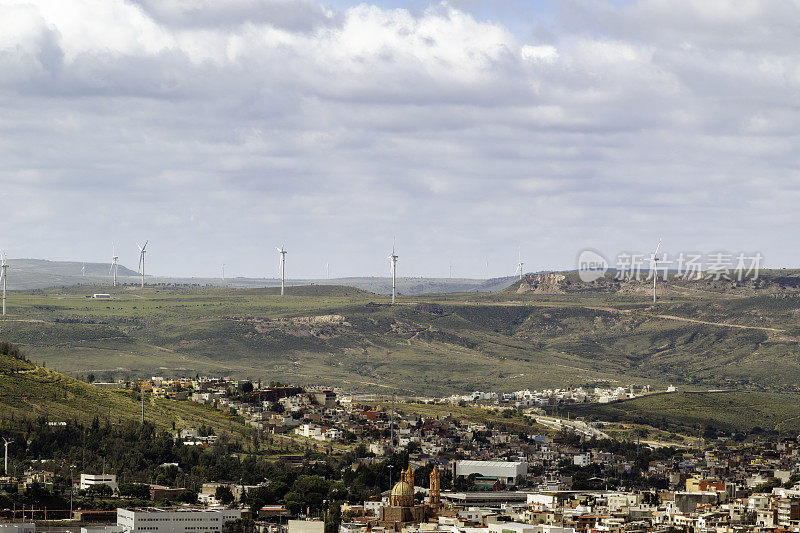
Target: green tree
pixel 102 490
pixel 135 490
pixel 224 494
pixel 240 525
pixel 187 496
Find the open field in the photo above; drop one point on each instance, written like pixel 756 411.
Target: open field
pixel 699 336
pixel 689 412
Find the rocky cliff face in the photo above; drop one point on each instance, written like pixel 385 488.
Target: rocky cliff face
pixel 551 283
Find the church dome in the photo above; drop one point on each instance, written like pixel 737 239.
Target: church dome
pixel 402 495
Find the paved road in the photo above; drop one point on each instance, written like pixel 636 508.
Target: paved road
pixel 574 425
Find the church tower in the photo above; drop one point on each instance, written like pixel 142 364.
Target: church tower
pixel 408 476
pixel 434 495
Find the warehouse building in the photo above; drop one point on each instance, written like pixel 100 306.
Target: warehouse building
pixel 505 471
pixel 178 520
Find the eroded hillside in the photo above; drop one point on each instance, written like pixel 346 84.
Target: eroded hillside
pixel 433 344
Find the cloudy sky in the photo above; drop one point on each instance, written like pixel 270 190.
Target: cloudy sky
pixel 466 129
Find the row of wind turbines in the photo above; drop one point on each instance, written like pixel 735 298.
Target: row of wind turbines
pixel 114 269
pixel 393 257
pixel 115 262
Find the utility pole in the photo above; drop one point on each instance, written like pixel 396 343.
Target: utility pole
pixel 391 427
pixel 71 487
pixel 699 438
pixel 6 443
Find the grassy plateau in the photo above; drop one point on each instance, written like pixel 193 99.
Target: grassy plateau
pixel 540 332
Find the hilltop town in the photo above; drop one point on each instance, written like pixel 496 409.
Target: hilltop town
pixel 325 460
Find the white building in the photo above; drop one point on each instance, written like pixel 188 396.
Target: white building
pixel 373 508
pixel 306 526
pixel 511 527
pixel 582 459
pixel 544 528
pixel 90 480
pixel 332 434
pixel 18 527
pixel 178 520
pixel 622 501
pixel 542 502
pixel 505 471
pixel 309 431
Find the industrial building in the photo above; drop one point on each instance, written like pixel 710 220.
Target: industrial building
pixel 505 471
pixel 177 520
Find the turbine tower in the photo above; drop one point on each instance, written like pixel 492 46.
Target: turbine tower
pixel 393 265
pixel 4 275
pixel 282 251
pixel 654 261
pixel 5 465
pixel 141 259
pixel 223 272
pixel 114 264
pixel 520 264
pixel 83 270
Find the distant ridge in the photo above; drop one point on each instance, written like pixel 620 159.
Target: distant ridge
pixel 67 268
pixel 27 274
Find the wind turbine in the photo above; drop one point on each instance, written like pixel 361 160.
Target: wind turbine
pixel 520 264
pixel 83 270
pixel 5 465
pixel 393 265
pixel 282 251
pixel 141 259
pixel 4 275
pixel 223 272
pixel 654 261
pixel 114 264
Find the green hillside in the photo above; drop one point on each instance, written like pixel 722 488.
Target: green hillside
pixel 28 390
pixel 689 412
pixel 432 344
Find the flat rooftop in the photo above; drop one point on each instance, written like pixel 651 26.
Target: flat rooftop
pixel 174 509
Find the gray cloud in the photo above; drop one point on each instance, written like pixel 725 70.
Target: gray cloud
pixel 292 15
pixel 236 126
